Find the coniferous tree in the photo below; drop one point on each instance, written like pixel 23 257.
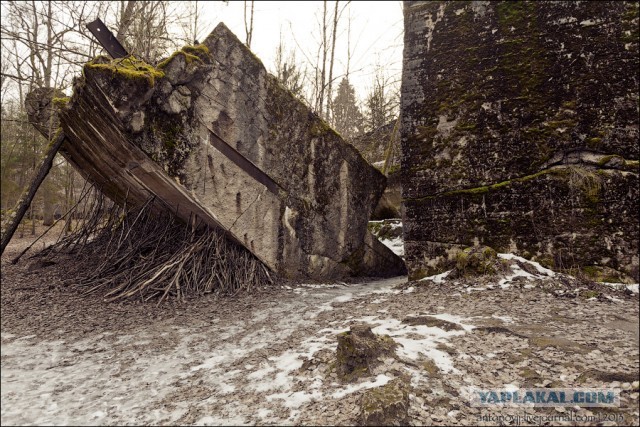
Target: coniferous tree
pixel 348 119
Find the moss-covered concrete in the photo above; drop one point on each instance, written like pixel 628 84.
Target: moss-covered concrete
pixel 517 115
pixel 199 53
pixel 128 67
pixel 359 351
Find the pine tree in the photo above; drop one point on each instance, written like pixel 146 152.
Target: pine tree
pixel 348 119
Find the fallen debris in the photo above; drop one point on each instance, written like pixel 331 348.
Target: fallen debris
pixel 359 350
pixel 387 405
pixel 433 322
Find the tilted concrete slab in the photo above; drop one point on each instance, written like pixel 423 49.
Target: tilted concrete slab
pixel 214 136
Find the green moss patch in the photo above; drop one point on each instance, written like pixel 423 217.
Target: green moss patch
pixel 129 67
pixel 386 405
pixel 476 261
pixel 60 102
pixel 199 53
pixel 319 127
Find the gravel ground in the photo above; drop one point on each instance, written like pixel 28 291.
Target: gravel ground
pixel 269 357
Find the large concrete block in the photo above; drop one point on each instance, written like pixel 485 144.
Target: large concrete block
pixel 216 138
pixel 520 131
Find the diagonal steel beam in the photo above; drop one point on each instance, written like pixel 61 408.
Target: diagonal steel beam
pixel 106 39
pixel 243 163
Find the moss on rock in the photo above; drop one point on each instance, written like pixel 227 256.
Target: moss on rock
pixel 199 53
pixel 477 261
pixel 386 405
pixel 359 350
pixel 129 67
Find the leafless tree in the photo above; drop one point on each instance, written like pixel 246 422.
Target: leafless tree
pixel 248 23
pixel 288 72
pixel 143 27
pixel 381 103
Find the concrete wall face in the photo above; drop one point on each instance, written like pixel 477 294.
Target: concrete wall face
pixel 520 131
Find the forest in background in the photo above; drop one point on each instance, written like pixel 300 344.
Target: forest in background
pixel 46 43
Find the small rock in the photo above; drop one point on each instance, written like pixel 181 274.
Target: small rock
pixel 432 322
pixel 359 350
pixel 386 405
pixel 626 386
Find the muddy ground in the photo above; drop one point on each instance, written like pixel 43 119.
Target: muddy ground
pixel 269 357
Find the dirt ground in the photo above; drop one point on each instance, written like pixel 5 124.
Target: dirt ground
pixel 269 357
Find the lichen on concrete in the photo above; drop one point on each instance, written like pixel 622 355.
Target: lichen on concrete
pixel 515 137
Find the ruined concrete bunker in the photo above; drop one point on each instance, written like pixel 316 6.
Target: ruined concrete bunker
pixel 215 137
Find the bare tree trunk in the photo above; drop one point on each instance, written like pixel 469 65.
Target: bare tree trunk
pixel 323 77
pixel 25 201
pixel 33 165
pixel 126 16
pixel 195 25
pixel 248 27
pixel 348 44
pixel 333 51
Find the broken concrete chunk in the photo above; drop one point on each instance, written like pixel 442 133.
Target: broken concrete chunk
pixel 220 140
pixel 386 406
pixel 359 351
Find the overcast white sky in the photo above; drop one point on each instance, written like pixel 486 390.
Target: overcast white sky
pixel 376 33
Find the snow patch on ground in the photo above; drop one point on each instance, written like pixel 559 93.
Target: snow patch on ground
pixel 542 270
pixel 296 399
pixel 633 287
pixel 396 245
pixel 438 278
pixel 505 319
pixel 379 382
pixel 517 272
pixel 419 340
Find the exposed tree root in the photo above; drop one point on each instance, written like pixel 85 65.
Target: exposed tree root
pixel 137 253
